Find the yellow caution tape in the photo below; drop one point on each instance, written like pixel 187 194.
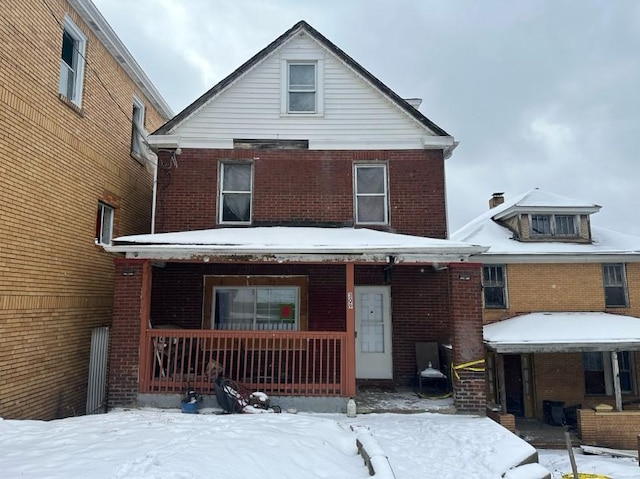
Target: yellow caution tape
pixel 584 475
pixel 470 366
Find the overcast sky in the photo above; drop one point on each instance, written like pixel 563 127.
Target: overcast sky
pixel 538 93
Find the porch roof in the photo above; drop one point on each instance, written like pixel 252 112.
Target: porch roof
pixel 564 332
pixel 279 243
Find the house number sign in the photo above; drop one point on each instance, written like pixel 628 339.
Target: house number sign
pixel 350 300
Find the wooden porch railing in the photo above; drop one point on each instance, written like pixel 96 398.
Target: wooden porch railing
pixel 291 363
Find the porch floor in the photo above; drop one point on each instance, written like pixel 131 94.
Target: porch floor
pixel 400 400
pixel 544 436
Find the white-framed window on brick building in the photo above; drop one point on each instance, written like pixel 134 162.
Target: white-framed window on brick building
pixel 615 285
pixel 104 224
pixel 72 62
pixel 371 194
pixel 137 129
pixel 494 286
pixel 235 187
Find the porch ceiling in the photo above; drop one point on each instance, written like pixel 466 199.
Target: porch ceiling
pixel 564 332
pixel 280 243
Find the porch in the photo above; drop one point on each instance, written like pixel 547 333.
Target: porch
pixel 296 363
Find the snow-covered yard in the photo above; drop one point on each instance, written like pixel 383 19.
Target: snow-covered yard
pixel 168 444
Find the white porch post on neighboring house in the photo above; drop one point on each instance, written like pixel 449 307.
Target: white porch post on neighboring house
pixel 616 380
pixel 502 390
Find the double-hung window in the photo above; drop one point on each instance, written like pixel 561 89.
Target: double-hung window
pixel 72 62
pixel 104 224
pixel 235 193
pixel 137 129
pixel 301 87
pixel 256 308
pixel 371 202
pixel 615 285
pixel 494 287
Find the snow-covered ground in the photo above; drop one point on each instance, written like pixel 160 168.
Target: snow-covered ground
pixel 170 445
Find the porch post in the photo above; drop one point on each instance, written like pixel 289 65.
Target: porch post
pixel 350 366
pixel 502 390
pixel 468 372
pixel 130 306
pixel 616 380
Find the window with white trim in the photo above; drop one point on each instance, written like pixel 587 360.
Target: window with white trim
pixel 255 308
pixel 494 287
pixel 137 129
pixel 235 193
pixel 104 224
pixel 615 285
pixel 72 62
pixel 371 199
pixel 554 225
pixel 301 87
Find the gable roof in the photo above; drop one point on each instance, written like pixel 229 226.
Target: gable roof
pixel 486 230
pixel 262 54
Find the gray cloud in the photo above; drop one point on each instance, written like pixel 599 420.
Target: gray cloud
pixel 539 93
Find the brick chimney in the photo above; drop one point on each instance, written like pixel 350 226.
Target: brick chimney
pixel 496 199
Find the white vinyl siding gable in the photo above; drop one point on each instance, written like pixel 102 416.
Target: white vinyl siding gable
pixel 348 109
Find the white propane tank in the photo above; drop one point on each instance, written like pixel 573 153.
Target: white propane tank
pixel 351 408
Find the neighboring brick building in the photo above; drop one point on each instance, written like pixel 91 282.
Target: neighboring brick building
pixel 69 95
pixel 300 212
pixel 561 305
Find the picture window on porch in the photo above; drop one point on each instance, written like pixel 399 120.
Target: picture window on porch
pixel 494 287
pixel 256 308
pixel 235 193
pixel 258 302
pixel 615 285
pixel 371 194
pixel 598 375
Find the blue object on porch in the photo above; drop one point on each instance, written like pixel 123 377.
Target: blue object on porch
pixel 189 407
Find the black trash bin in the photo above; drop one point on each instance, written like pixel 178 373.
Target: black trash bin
pixel 571 415
pixel 554 413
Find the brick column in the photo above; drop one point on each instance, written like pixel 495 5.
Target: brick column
pixel 130 310
pixel 465 290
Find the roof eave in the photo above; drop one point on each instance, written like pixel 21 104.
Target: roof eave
pixel 101 29
pixel 561 347
pixel 514 210
pixel 550 258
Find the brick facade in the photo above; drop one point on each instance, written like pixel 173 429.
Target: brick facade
pixel 618 430
pixel 309 188
pixel 55 283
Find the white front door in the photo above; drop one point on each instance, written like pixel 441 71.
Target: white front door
pixel 373 332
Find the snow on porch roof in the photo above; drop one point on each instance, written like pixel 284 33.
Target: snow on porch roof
pixel 564 332
pixel 293 242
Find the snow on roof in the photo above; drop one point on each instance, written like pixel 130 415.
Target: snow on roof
pixel 291 240
pixel 485 230
pixel 564 331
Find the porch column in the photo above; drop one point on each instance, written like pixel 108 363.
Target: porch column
pixel 615 367
pixel 350 366
pixel 468 375
pixel 502 390
pixel 131 301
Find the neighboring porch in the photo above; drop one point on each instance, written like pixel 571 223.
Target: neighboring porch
pixel 548 368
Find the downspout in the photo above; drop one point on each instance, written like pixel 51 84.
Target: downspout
pixel 155 192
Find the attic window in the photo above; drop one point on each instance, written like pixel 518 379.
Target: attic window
pixel 302 85
pixel 553 225
pixel 302 88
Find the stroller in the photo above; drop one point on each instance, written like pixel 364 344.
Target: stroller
pixel 234 398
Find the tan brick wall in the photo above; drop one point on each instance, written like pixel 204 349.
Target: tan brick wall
pixel 618 430
pixel 562 287
pixel 55 283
